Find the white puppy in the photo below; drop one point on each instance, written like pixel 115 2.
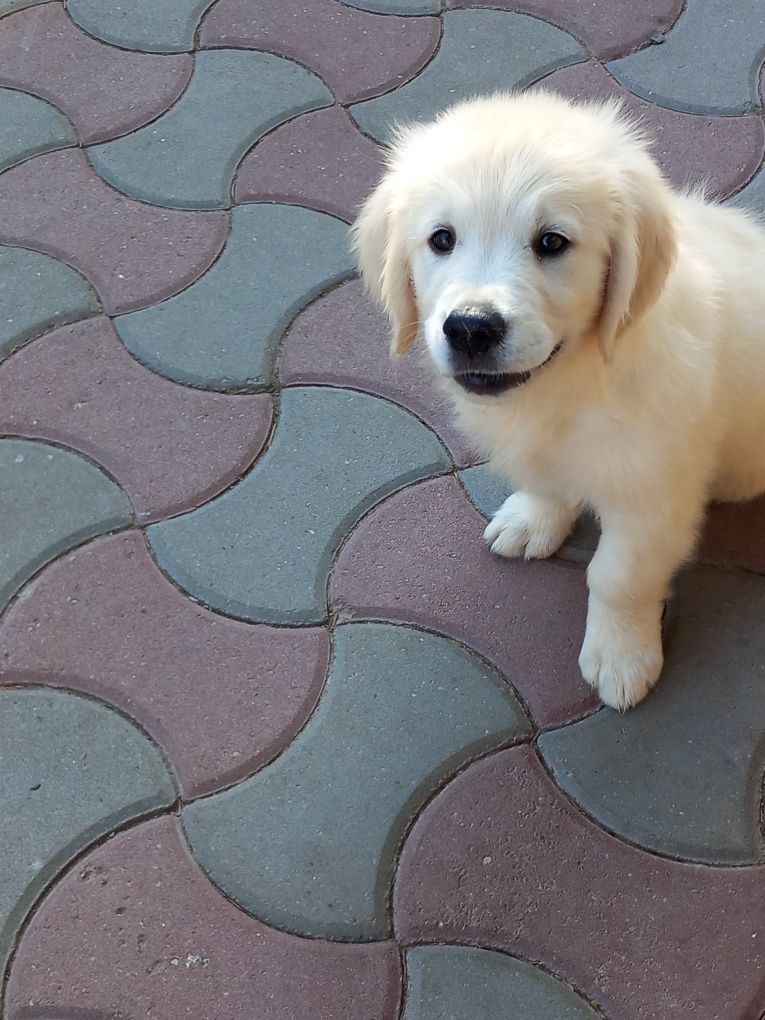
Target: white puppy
pixel 602 335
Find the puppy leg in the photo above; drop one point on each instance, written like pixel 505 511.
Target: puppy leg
pixel 629 578
pixel 530 526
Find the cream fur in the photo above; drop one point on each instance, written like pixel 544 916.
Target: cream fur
pixel 655 403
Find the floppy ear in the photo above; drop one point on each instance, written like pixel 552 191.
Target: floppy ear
pixel 643 251
pixel 384 267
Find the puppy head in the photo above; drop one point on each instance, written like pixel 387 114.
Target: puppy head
pixel 512 228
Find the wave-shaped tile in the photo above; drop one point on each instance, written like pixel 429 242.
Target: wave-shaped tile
pixel 309 844
pixel 342 340
pixel 453 982
pixel 420 558
pixel 137 928
pixel 481 51
pixel 8 6
pixel 319 160
pixel 142 24
pixel 708 63
pixel 263 549
pixel 501 859
pixel 608 28
pixel 681 775
pixel 104 91
pixel 357 54
pixel 170 447
pixel 396 6
pixel 222 332
pixel 722 152
pixel 36 294
pixel 187 158
pixel 72 771
pixel 133 254
pixel 50 500
pixel 220 696
pixel 29 126
pixel 753 195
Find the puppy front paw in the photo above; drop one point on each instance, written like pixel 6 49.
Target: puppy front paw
pixel 620 658
pixel 529 526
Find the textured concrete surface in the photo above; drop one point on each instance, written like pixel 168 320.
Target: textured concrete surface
pixel 133 254
pixel 36 294
pixel 481 51
pixel 188 156
pixel 263 550
pixel 401 711
pixel 50 500
pixel 29 127
pixel 279 738
pixel 452 982
pixel 104 91
pixel 221 333
pixel 97 771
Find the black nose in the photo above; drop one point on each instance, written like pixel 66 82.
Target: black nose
pixel 474 332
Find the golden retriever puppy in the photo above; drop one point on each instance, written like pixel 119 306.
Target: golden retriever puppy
pixel 603 338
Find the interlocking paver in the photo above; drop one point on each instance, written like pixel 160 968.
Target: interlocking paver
pixel 136 928
pixel 263 550
pixel 104 91
pixel 331 38
pixel 397 6
pixel 50 500
pixel 36 294
pixel 72 771
pixel 481 51
pixel 220 696
pixel 133 254
pixel 8 6
pixel 320 160
pixel 142 24
pixel 454 982
pixel 501 859
pixel 221 333
pixel 79 386
pixel 420 558
pixel 753 195
pixel 187 158
pixel 343 340
pixel 309 843
pixel 721 152
pixel 709 63
pixel 608 28
pixel 679 774
pixel 29 126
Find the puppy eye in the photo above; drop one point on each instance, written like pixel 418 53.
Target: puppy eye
pixel 442 241
pixel 551 243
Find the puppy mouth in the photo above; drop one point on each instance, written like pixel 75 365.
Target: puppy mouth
pixel 492 383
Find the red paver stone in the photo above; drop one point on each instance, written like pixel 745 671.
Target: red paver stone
pixel 169 446
pixel 420 558
pixel 133 254
pixel 319 160
pixel 734 536
pixel 137 930
pixel 104 91
pixel 501 859
pixel 722 151
pixel 343 340
pixel 609 28
pixel 357 54
pixel 222 697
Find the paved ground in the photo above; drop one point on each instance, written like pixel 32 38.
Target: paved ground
pixel 269 748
